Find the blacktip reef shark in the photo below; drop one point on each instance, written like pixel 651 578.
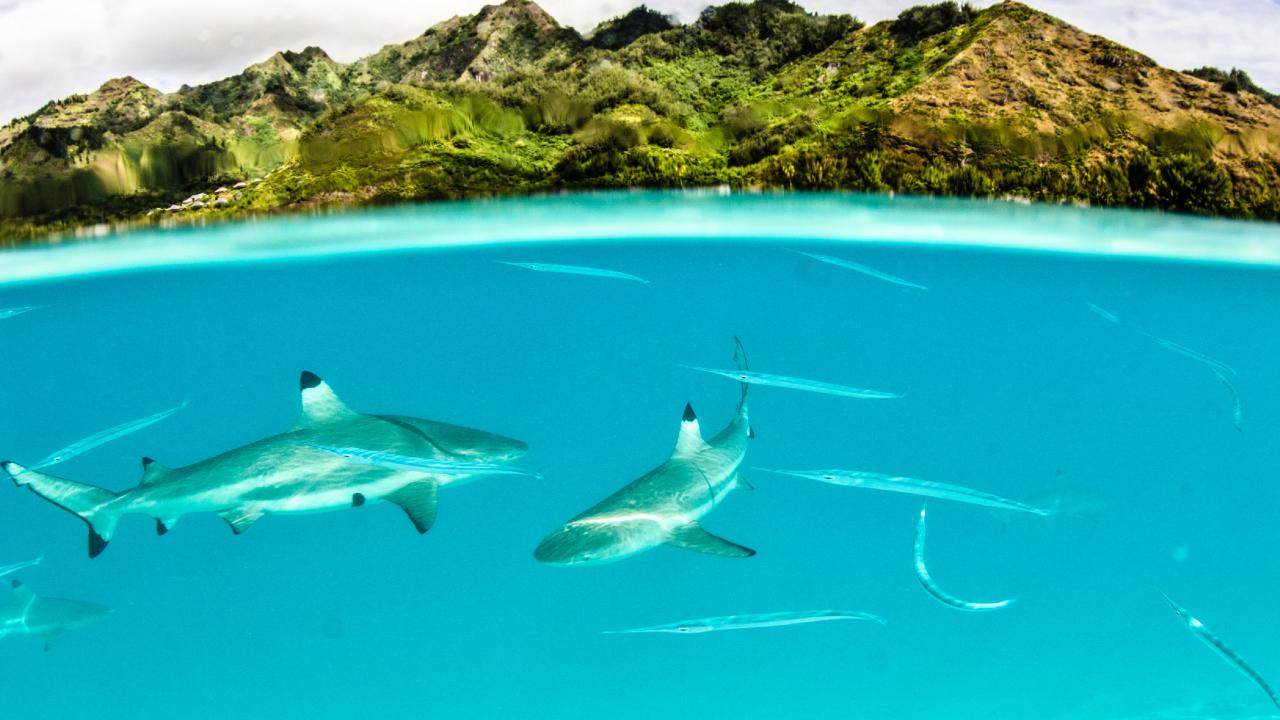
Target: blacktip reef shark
pixel 29 614
pixel 281 474
pixel 752 621
pixel 664 505
pixel 936 592
pixel 575 270
pixel 1205 636
pixel 913 486
pixel 15 567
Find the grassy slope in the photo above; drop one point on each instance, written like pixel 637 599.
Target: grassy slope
pixel 1007 102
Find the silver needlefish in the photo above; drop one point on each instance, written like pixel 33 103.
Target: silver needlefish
pixel 10 312
pixel 411 463
pixel 792 383
pixel 912 486
pixel 575 270
pixel 858 267
pixel 1104 313
pixel 1203 633
pixel 1183 350
pixel 1236 411
pixel 9 569
pixel 752 621
pixel 105 436
pixel 937 593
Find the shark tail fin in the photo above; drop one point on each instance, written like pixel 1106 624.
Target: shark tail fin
pixel 87 502
pixel 740 360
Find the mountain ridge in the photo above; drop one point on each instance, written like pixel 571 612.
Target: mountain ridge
pixel 1006 101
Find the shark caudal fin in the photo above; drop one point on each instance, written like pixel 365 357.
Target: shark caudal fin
pixel 87 502
pixel 740 360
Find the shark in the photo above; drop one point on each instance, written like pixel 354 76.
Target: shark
pixel 663 506
pixel 285 473
pixel 29 614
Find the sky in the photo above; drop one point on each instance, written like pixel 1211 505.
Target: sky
pixel 52 48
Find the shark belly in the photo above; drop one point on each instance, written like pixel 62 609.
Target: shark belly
pixel 659 508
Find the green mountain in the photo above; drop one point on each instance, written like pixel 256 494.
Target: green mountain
pixel 1002 102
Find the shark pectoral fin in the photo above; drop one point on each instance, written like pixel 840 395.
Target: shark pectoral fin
pixel 51 637
pixel 694 537
pixel 741 482
pixel 240 518
pixel 418 500
pixel 162 526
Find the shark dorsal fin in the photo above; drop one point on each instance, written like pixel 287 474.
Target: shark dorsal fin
pixel 320 404
pixel 151 471
pixel 690 441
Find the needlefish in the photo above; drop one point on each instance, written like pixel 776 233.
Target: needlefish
pixel 752 622
pixel 858 267
pixel 101 438
pixel 912 486
pixel 410 463
pixel 1205 636
pixel 6 313
pixel 931 587
pixel 9 569
pixel 1104 313
pixel 792 383
pixel 575 270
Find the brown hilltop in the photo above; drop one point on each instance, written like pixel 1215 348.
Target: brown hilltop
pixel 1036 72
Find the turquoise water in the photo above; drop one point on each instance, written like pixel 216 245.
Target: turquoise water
pixel 1012 386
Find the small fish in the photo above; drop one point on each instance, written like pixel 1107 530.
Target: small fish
pixel 1104 314
pixel 1201 632
pixel 856 267
pixel 6 313
pixel 105 436
pixel 751 622
pixel 782 381
pixel 931 587
pixel 393 461
pixel 7 569
pixel 576 270
pixel 912 486
pixel 1235 399
pixel 1185 351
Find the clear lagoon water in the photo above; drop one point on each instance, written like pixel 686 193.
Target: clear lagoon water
pixel 1012 386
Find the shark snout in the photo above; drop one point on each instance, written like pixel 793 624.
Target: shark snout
pixel 596 540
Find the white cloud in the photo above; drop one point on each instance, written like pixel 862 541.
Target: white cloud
pixel 52 48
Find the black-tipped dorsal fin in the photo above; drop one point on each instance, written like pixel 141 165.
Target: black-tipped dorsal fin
pixel 151 471
pixel 320 404
pixel 693 537
pixel 689 441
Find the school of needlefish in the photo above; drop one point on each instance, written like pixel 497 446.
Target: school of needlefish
pixel 334 457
